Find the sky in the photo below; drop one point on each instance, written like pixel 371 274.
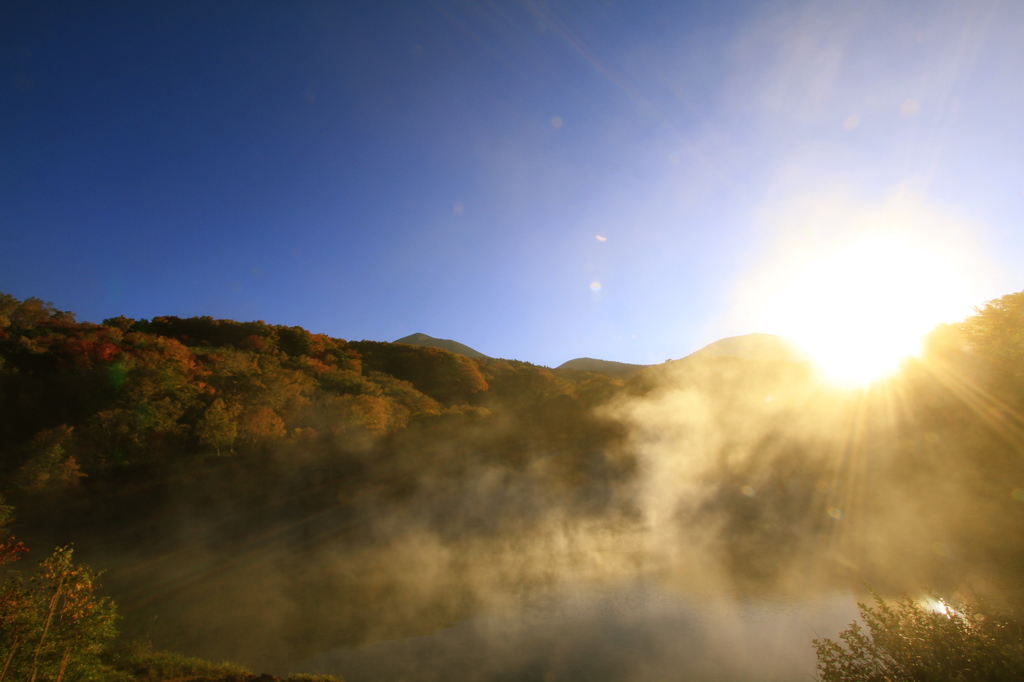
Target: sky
pixel 538 180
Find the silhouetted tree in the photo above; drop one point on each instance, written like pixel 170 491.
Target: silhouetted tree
pixel 907 641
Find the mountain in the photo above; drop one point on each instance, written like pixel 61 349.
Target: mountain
pixel 616 370
pixel 766 347
pixel 444 344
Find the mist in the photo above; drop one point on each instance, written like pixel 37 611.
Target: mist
pixel 708 518
pixel 383 511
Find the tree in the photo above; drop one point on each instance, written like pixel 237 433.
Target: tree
pixel 18 623
pixel 30 313
pixel 218 427
pixel 999 323
pixel 55 627
pixel 79 623
pixel 260 425
pixel 49 466
pixel 10 549
pixel 907 641
pixel 446 377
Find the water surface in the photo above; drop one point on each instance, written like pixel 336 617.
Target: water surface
pixel 643 632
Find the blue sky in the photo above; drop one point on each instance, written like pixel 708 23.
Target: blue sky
pixel 374 169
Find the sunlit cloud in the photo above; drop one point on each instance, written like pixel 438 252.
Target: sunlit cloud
pixel 850 122
pixel 600 238
pixel 595 286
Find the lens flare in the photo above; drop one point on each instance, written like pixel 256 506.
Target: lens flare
pixel 862 307
pixel 858 282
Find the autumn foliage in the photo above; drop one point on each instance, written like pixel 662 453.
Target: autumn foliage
pixel 81 400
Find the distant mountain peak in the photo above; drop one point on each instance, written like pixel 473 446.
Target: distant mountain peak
pixel 751 347
pixel 421 339
pixel 616 370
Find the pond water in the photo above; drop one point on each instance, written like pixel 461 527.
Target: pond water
pixel 641 632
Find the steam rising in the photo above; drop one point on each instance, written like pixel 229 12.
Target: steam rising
pixel 738 482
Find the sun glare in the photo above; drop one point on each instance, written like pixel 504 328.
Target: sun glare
pixel 936 605
pixel 860 308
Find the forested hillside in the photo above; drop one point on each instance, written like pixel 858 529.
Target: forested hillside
pixel 199 443
pixel 261 493
pixel 83 401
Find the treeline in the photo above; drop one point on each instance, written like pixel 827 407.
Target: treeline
pixel 79 400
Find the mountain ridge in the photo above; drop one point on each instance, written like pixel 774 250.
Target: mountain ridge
pixel 754 346
pixel 611 368
pixel 421 339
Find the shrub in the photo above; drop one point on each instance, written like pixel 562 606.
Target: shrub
pixel 139 662
pixel 910 641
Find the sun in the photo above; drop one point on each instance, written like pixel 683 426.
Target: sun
pixel 859 308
